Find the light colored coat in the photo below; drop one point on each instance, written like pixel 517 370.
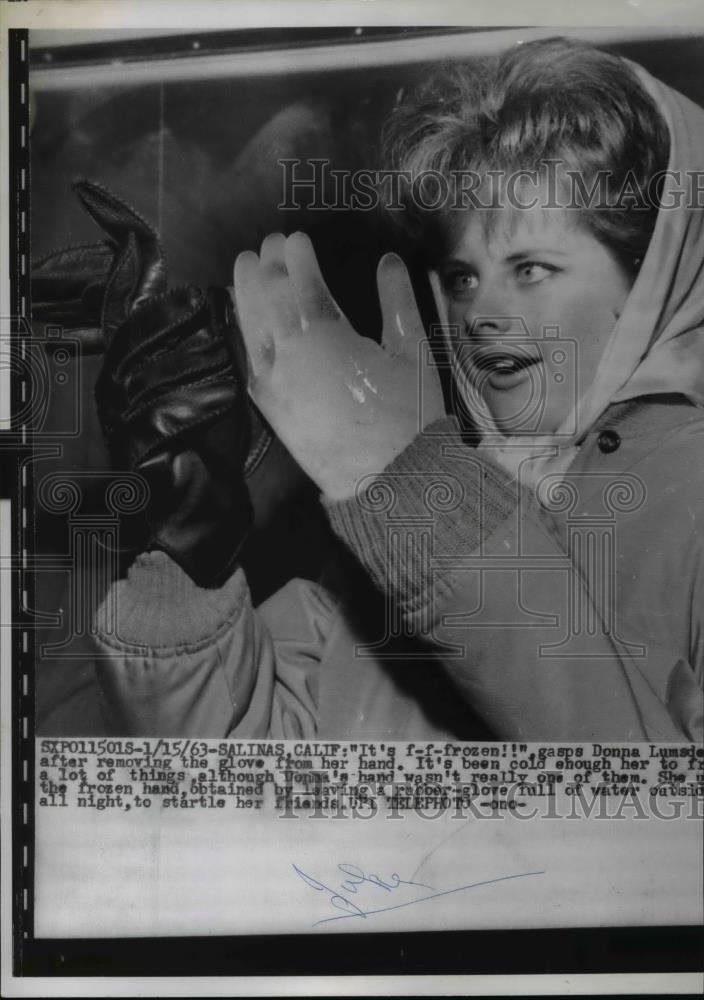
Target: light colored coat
pixel 211 665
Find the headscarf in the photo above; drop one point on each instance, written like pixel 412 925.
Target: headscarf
pixel 657 344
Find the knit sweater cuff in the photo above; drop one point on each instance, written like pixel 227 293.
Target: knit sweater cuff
pixel 437 501
pixel 159 606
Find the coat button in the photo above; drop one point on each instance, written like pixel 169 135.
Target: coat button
pixel 608 441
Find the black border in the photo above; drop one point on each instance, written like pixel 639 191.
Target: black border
pixel 17 451
pixel 556 951
pixel 515 952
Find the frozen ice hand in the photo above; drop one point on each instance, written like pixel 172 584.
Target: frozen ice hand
pixel 344 406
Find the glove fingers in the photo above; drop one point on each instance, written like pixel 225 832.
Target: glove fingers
pixel 114 216
pixel 166 418
pixel 123 288
pixel 90 338
pixel 73 266
pixel 156 327
pixel 138 270
pixel 185 367
pixel 68 285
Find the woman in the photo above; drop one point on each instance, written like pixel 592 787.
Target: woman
pixel 574 332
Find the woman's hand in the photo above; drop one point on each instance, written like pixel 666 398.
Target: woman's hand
pixel 344 406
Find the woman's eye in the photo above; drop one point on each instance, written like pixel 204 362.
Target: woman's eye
pixel 531 272
pixel 459 283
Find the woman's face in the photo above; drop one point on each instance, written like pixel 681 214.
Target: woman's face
pixel 533 299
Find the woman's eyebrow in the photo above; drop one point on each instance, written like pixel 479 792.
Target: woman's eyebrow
pixel 517 255
pixel 455 262
pixel 533 252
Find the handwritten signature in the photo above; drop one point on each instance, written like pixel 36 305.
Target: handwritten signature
pixel 357 880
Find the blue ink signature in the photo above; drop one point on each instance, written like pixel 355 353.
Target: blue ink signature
pixel 339 895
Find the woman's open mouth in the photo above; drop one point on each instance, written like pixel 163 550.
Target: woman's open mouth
pixel 501 367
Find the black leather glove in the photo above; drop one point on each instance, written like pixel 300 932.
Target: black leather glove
pixel 68 288
pixel 172 394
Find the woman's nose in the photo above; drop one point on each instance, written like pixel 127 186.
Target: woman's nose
pixel 493 324
pixel 490 313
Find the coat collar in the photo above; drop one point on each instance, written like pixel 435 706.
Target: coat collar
pixel 647 415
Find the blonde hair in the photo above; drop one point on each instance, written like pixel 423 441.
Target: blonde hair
pixel 552 100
